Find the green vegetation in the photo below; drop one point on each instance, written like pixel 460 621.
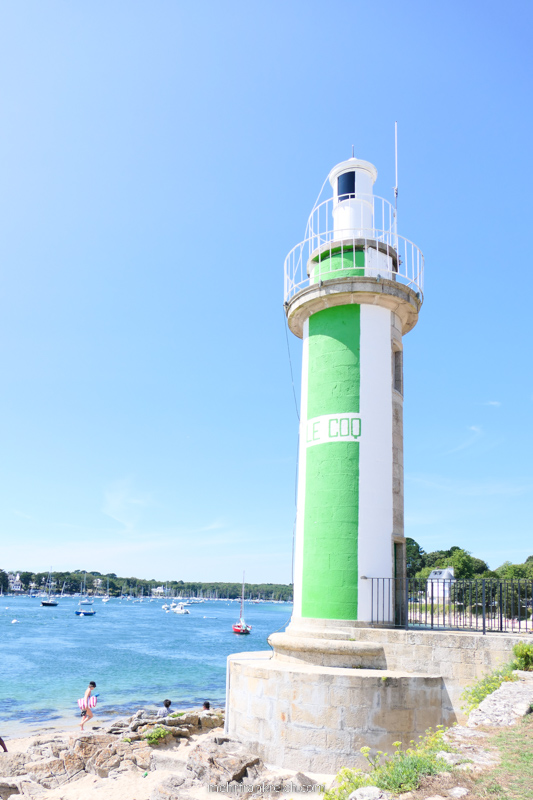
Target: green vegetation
pixel 156 736
pixel 523 659
pixel 473 695
pixel 400 772
pixel 466 566
pixel 523 656
pixel 513 777
pixel 97 584
pixel 4 583
pixel 178 714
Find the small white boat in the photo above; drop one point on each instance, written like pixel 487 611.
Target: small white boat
pixel 180 609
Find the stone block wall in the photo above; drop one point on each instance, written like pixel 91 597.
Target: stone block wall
pixel 460 657
pixel 317 718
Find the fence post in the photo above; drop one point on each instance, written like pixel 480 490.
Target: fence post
pixel 407 604
pixel 483 601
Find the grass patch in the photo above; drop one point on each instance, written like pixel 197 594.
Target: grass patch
pixel 513 778
pixel 155 736
pixel 400 772
pixel 178 714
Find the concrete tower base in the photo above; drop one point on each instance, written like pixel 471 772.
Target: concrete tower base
pixel 299 713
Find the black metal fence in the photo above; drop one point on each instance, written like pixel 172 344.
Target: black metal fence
pixel 479 605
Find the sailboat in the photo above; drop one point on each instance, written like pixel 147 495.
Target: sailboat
pixel 241 626
pixel 84 601
pixel 49 601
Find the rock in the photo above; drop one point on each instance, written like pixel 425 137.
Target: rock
pixel 177 722
pixel 48 748
pixel 169 789
pixel 90 744
pixel 188 719
pixel 221 763
pixel 369 793
pixel 208 720
pixel 49 773
pixel 450 758
pixel 303 780
pixel 171 760
pixel 8 788
pixel 141 756
pixel 102 763
pixel 512 701
pixel 73 763
pixel 458 791
pixel 12 764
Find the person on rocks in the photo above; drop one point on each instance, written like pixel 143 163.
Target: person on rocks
pixel 3 745
pixel 87 702
pixel 206 706
pixel 165 711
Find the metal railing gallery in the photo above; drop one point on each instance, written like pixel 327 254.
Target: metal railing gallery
pixel 479 605
pixel 331 253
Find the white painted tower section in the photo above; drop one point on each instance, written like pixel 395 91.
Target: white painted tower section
pixel 300 507
pixel 375 455
pixel 353 216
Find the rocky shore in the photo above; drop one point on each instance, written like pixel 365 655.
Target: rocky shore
pixel 187 757
pixel 141 758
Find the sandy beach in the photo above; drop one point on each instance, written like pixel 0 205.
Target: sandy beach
pixel 148 778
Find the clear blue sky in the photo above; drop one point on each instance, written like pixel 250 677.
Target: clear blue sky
pixel 157 162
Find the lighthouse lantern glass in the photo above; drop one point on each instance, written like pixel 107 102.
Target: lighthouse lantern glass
pixel 346 186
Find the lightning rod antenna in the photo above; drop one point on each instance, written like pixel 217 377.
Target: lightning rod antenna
pixel 396 176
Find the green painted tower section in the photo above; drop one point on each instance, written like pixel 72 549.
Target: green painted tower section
pixel 338 261
pixel 331 511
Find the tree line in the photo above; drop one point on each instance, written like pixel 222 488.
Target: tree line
pixel 97 582
pixel 465 566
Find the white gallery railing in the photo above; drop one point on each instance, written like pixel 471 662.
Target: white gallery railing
pixel 331 251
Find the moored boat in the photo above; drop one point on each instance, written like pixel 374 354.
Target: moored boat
pixel 241 627
pixel 49 599
pixel 180 609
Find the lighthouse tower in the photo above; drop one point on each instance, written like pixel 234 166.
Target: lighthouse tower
pixel 333 681
pixel 353 288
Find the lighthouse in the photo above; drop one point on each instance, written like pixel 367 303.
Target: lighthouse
pixel 353 288
pixel 344 675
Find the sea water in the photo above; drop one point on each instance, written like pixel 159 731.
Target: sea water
pixel 137 654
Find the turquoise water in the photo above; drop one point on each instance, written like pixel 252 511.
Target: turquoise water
pixel 136 653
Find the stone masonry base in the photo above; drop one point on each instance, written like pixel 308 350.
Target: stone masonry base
pixel 317 716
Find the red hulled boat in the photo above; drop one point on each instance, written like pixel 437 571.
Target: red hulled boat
pixel 241 626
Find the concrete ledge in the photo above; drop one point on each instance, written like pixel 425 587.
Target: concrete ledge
pixel 328 652
pixel 342 291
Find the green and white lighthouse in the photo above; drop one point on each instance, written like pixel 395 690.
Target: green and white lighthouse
pixel 353 288
pixel 336 679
